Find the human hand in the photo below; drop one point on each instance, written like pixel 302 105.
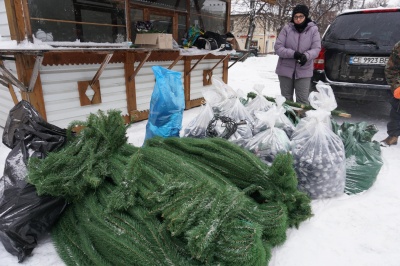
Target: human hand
pixel 396 93
pixel 297 55
pixel 302 60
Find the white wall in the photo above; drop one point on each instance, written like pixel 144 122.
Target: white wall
pixel 6 101
pixel 196 80
pixel 4 29
pixel 61 95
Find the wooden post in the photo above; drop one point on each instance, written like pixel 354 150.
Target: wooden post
pixel 225 70
pixel 128 21
pixel 146 14
pixel 186 81
pixel 27 20
pixel 175 26
pixel 25 66
pixel 16 20
pixel 130 83
pixel 228 16
pixel 12 20
pixel 12 93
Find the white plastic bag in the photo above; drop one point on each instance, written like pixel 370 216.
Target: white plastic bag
pixel 197 128
pixel 225 103
pixel 267 144
pixel 259 103
pixel 319 154
pixel 282 121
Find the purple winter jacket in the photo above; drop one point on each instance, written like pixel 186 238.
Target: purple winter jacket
pixel 289 41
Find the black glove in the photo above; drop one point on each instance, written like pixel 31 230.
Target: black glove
pixel 297 55
pixel 302 60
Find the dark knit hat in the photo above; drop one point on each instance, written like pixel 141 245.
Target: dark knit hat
pixel 301 9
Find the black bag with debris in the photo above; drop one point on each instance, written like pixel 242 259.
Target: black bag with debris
pixel 206 43
pixel 25 216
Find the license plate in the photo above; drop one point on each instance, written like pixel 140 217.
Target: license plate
pixel 368 60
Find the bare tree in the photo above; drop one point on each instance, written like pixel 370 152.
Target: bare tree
pixel 249 12
pixel 324 12
pixel 277 13
pixel 376 3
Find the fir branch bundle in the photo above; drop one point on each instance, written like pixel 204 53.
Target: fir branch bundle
pixel 237 166
pixel 207 214
pixel 194 198
pixel 98 152
pixel 252 95
pixel 88 235
pixel 172 202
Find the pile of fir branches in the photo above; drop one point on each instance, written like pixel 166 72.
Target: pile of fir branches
pixel 305 107
pixel 174 201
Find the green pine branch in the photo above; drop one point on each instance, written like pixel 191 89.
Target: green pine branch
pixel 341 113
pixel 171 202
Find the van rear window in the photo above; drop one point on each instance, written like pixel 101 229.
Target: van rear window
pixel 382 28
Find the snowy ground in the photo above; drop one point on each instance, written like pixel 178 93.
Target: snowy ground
pixel 357 230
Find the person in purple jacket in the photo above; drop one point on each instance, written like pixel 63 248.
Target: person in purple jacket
pixel 297 45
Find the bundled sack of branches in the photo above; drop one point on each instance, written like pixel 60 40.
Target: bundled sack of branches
pixel 259 103
pixel 363 156
pixel 197 128
pixel 269 143
pixel 173 201
pixel 319 155
pixel 282 121
pixel 225 102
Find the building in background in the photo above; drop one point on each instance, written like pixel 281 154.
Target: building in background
pixel 264 36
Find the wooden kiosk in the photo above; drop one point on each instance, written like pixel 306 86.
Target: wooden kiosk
pixel 84 63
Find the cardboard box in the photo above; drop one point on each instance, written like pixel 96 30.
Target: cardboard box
pixel 154 40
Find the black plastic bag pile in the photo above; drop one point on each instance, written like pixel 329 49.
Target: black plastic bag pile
pixel 24 216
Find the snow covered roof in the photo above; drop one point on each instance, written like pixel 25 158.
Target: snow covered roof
pixel 38 45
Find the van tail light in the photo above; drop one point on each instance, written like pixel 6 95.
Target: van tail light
pixel 380 10
pixel 319 62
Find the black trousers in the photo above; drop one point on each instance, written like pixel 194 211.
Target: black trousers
pixel 393 127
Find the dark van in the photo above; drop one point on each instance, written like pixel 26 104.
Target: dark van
pixel 355 49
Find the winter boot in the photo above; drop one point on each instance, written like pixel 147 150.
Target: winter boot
pixel 390 140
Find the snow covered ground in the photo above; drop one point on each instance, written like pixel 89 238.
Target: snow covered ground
pixel 357 230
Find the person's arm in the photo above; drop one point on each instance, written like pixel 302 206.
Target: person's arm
pixel 392 71
pixel 313 52
pixel 280 48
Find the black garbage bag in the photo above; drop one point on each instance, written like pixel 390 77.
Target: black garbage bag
pixel 25 216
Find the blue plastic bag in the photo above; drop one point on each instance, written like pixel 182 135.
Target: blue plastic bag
pixel 167 104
